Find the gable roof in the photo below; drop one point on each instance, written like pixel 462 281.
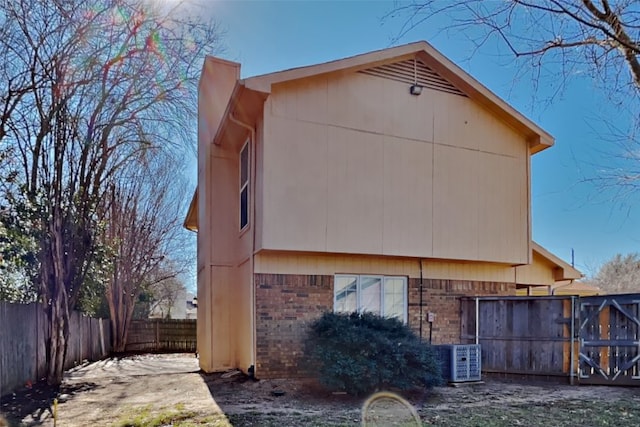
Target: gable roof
pixel 563 270
pixel 459 79
pixel 575 288
pixel 435 67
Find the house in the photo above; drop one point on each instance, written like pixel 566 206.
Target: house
pixel 174 303
pixel 391 181
pixel 579 288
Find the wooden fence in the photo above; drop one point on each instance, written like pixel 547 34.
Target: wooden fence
pixel 23 333
pixel 534 336
pixel 170 335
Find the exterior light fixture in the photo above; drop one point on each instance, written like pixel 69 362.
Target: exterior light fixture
pixel 415 88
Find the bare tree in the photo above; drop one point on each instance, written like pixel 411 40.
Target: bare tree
pixel 551 43
pixel 142 217
pixel 621 274
pixel 93 85
pixel 165 295
pixel 596 37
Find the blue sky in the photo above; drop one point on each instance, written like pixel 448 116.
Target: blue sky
pixel 568 212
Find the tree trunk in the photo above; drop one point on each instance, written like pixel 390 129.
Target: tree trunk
pixel 58 337
pixel 54 275
pixel 120 315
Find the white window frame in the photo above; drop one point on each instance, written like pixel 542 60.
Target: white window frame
pixel 359 277
pixel 244 185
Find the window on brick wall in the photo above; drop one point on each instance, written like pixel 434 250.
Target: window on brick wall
pixel 383 295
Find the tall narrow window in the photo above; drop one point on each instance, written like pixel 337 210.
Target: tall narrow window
pixel 244 186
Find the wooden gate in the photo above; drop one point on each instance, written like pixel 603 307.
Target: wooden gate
pixel 609 335
pixel 530 336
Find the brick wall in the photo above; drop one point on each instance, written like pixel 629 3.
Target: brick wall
pixel 285 305
pixel 441 297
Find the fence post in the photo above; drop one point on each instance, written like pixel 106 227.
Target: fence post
pixel 573 327
pixel 157 334
pixel 37 316
pixel 81 325
pixel 477 321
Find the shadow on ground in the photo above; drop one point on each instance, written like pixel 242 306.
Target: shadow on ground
pixel 280 402
pixel 35 404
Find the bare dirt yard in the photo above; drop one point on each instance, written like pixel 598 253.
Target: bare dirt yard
pixel 169 390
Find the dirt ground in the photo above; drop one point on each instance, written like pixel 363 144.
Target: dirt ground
pixel 130 391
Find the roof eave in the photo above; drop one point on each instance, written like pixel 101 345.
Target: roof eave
pixel 538 143
pixel 262 83
pixel 227 112
pixel 538 138
pixel 563 270
pixel 191 219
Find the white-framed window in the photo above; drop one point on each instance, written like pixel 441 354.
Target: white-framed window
pixel 383 295
pixel 244 186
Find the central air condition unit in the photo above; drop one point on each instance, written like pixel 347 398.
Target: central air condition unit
pixel 459 362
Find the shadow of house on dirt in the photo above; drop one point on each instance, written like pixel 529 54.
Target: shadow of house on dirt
pixel 246 401
pixel 34 406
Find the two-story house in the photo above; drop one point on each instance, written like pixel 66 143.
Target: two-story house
pixel 391 182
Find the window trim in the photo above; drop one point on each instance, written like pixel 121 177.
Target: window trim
pixel 383 278
pixel 244 186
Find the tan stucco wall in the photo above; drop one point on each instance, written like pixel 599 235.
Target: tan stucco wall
pixel 355 164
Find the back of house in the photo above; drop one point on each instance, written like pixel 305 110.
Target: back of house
pixel 390 182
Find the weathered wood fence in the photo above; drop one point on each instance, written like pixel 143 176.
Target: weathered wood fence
pixel 533 336
pixel 23 334
pixel 170 335
pixel 590 340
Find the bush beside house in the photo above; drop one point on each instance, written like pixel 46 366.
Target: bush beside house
pixel 362 352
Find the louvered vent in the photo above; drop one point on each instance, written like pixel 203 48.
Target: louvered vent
pixel 405 72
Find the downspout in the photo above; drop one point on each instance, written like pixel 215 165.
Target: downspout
pixel 252 144
pixel 573 328
pixel 421 285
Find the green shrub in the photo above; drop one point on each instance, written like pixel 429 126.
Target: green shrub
pixel 362 353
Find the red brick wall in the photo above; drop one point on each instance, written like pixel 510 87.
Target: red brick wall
pixel 441 297
pixel 286 304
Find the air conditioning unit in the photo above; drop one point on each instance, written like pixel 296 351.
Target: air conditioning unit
pixel 459 362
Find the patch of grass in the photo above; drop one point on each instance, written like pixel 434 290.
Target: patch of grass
pixel 562 413
pixel 176 416
pixel 621 413
pixel 270 420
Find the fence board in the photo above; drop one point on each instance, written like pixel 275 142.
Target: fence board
pixel 23 336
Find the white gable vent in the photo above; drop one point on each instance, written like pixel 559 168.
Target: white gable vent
pixel 411 72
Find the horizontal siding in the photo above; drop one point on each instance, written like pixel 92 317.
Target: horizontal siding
pixel 329 264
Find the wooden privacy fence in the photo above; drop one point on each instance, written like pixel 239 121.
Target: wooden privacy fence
pixel 23 335
pixel 170 335
pixel 594 340
pixel 521 335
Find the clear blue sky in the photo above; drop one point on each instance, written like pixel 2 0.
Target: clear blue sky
pixel 266 36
